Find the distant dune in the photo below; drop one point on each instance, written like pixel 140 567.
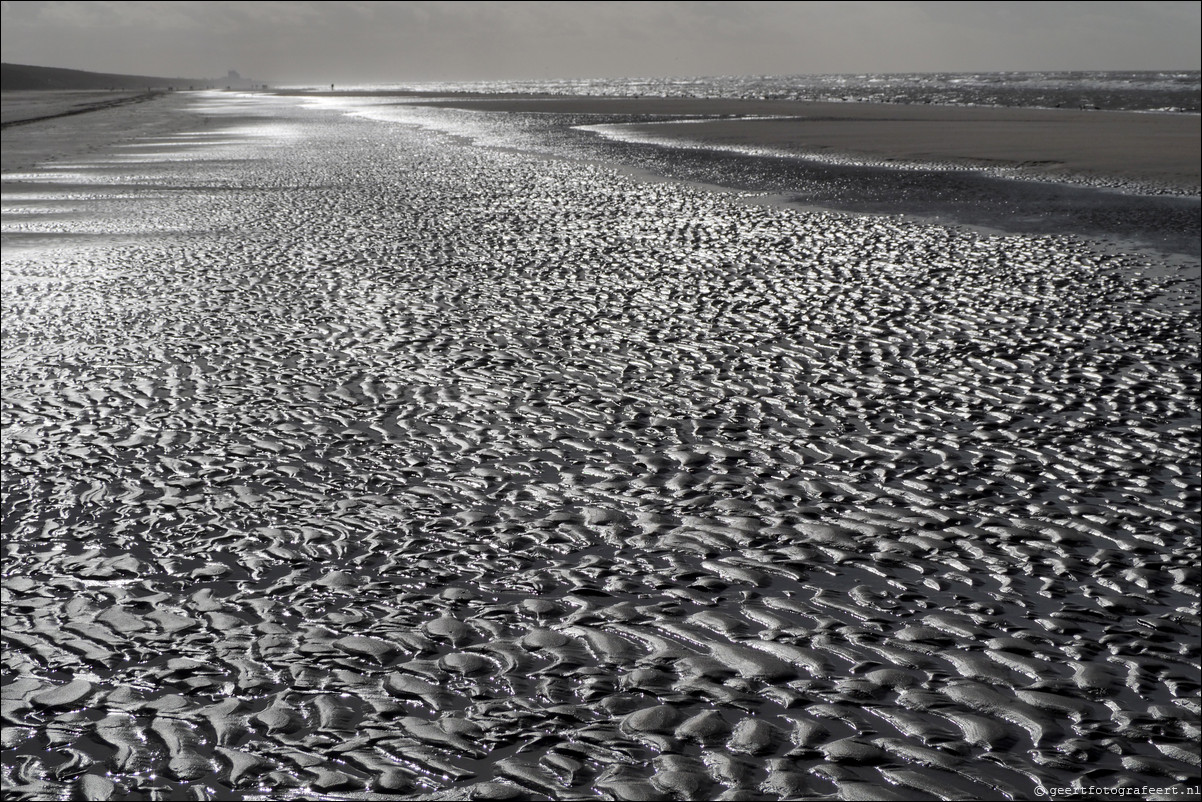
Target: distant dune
pixel 14 77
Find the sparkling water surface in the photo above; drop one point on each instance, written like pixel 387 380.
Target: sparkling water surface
pixel 1174 91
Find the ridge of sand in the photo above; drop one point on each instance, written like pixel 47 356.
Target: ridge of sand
pixel 1137 147
pixel 24 108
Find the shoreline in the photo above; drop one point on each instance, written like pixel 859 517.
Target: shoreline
pixel 1144 148
pixel 922 170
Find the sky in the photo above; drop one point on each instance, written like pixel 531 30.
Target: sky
pixel 358 42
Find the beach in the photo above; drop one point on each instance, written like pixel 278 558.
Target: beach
pixel 1125 146
pixel 357 450
pixel 22 108
pixel 55 125
pixel 1013 170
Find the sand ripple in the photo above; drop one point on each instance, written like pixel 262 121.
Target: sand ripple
pixel 414 469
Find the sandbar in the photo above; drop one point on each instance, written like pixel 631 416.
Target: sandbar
pixel 1138 147
pixel 61 125
pixel 22 107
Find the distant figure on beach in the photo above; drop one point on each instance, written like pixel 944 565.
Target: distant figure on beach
pixel 331 87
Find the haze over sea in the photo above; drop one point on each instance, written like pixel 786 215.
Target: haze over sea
pixel 388 443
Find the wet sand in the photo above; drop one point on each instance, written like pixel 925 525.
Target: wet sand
pixel 1132 147
pixel 24 107
pixel 40 127
pixel 441 471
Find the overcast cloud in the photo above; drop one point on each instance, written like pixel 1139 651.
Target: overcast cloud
pixel 296 42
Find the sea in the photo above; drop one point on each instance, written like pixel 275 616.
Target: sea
pixel 1154 91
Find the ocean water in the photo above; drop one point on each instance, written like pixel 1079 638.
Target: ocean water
pixel 1171 91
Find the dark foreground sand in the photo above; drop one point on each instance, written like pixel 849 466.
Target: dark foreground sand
pixel 347 460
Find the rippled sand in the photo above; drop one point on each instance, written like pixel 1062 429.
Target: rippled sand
pixel 346 460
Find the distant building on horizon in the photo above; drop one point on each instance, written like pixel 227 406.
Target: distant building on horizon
pixel 234 80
